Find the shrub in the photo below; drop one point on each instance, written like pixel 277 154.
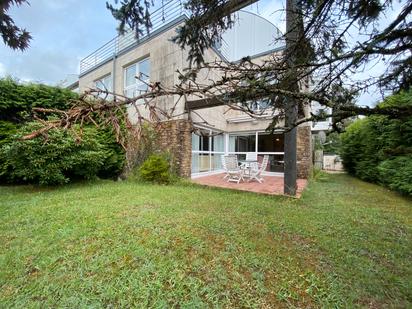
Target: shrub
pixel 55 160
pixel 156 168
pixel 7 130
pixel 17 100
pixel 378 148
pixel 16 103
pixel 397 174
pixel 115 158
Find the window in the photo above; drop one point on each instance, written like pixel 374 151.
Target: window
pixel 105 83
pixel 242 143
pixel 207 151
pixel 270 142
pixel 262 144
pixel 136 78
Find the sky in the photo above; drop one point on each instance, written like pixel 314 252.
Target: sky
pixel 65 31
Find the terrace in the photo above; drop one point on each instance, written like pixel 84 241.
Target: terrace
pixel 163 18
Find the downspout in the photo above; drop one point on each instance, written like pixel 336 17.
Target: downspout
pixel 113 75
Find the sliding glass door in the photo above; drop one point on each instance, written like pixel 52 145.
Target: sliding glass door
pixel 209 146
pixel 262 144
pixel 207 151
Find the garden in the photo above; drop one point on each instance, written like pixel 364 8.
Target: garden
pixel 72 236
pixel 346 243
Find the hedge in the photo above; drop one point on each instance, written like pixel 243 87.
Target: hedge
pixel 60 157
pixel 17 99
pixel 379 149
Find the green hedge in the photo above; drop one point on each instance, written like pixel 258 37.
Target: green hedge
pixel 59 158
pixel 17 99
pixel 379 149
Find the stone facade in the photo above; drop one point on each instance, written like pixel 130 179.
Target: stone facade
pixel 175 136
pixel 304 151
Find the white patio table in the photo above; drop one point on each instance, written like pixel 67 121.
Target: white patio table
pixel 246 165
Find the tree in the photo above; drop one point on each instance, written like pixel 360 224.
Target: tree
pixel 318 47
pixel 13 36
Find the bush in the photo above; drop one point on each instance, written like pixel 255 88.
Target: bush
pixel 115 157
pixel 156 168
pixel 17 100
pixel 55 160
pixel 378 148
pixel 397 174
pixel 64 159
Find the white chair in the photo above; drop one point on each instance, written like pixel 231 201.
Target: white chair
pixel 224 166
pixel 233 172
pixel 256 170
pixel 251 156
pixel 246 166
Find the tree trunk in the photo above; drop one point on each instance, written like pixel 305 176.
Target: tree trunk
pixel 291 108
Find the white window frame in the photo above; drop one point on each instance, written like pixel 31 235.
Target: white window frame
pixel 256 133
pixel 210 153
pixel 226 139
pixel 145 79
pixel 101 79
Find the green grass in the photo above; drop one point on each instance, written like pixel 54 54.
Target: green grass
pixel 345 243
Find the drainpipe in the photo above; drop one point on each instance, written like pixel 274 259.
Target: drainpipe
pixel 113 75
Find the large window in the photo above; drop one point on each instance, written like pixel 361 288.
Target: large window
pixel 262 144
pixel 105 83
pixel 136 78
pixel 207 150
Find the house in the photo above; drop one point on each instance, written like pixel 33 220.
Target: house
pixel 115 64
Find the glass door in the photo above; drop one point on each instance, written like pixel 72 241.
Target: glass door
pixel 207 151
pixel 262 144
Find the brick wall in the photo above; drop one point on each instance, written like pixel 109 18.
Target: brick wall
pixel 304 151
pixel 175 136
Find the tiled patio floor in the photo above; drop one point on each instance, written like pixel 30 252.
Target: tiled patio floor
pixel 271 185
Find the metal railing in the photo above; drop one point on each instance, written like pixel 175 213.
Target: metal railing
pixel 160 17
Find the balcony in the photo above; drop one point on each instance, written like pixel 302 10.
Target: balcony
pixel 251 35
pixel 170 13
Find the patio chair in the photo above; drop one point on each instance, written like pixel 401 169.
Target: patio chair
pixel 251 156
pixel 233 172
pixel 256 170
pixel 224 166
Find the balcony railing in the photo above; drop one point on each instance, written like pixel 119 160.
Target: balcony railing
pixel 160 18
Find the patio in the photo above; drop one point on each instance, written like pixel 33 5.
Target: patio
pixel 272 185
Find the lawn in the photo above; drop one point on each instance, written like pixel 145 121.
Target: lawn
pixel 345 243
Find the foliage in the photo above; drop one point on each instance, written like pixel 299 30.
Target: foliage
pixel 12 35
pixel 156 169
pixel 17 100
pixel 7 130
pixel 58 158
pixel 332 144
pixel 378 148
pixel 397 173
pixel 99 153
pixel 318 42
pixel 148 144
pixel 344 244
pixel 114 154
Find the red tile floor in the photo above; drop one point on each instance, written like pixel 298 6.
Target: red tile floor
pixel 271 184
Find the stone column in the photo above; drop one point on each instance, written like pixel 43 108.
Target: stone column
pixel 304 151
pixel 175 136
